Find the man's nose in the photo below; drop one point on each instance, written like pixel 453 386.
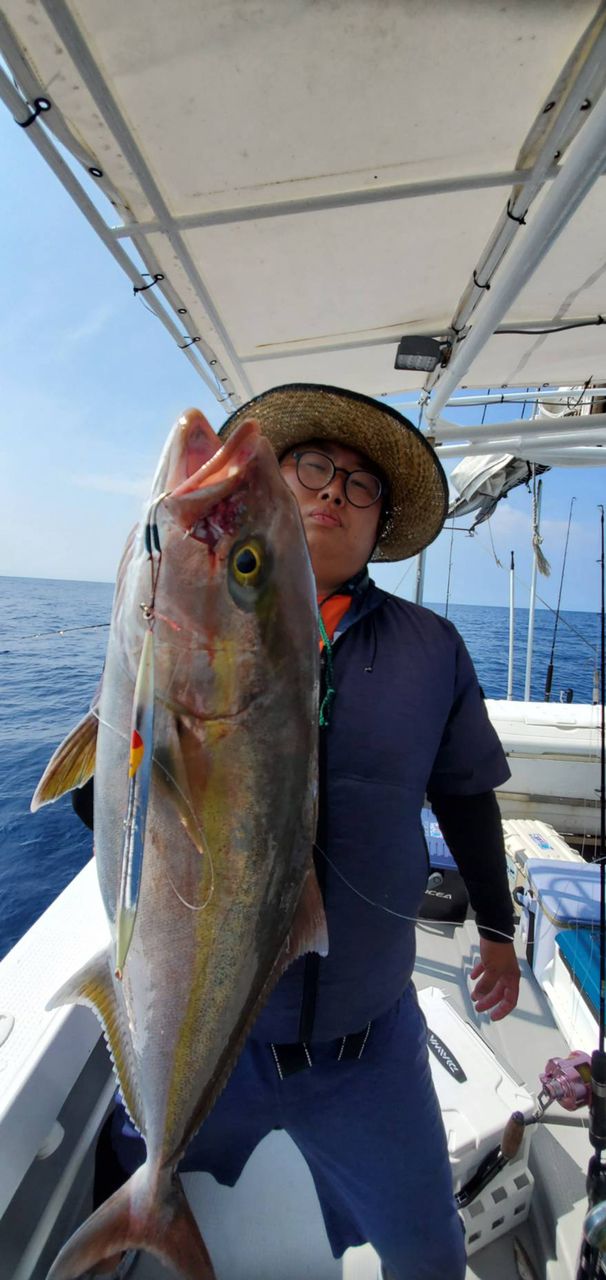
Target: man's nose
pixel 335 489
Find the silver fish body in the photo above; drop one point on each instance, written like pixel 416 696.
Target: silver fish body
pixel 226 895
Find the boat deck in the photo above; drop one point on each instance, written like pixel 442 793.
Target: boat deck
pixel 269 1226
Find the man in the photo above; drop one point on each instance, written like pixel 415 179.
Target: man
pixel 338 1056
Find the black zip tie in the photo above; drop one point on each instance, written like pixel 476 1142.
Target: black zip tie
pixel 477 283
pixel 185 345
pixel 520 221
pixel 140 288
pixel 40 105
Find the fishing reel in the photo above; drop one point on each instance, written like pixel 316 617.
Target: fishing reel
pixel 567 1081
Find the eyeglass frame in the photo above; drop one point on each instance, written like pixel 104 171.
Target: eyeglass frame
pixel 356 471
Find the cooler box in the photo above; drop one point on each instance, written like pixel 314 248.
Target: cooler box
pixel 477 1095
pixel 526 838
pixel 573 987
pixel 446 898
pixel 560 896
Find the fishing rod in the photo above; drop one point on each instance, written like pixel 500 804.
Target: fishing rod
pixel 549 676
pixel 593 1245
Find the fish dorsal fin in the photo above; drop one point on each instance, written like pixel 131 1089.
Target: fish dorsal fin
pixel 94 986
pixel 308 931
pixel 72 764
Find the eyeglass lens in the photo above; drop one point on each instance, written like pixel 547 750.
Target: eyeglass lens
pixel 315 470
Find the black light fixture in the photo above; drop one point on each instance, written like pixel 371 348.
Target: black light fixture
pixel 420 353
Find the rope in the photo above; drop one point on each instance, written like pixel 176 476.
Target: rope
pixel 543 564
pixel 326 703
pixel 549 676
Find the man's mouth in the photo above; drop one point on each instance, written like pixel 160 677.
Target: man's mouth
pixel 321 516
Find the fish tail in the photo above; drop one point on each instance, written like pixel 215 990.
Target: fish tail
pixel 135 1217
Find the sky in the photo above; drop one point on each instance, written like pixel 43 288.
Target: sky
pixel 91 383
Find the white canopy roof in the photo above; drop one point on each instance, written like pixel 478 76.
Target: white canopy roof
pixel 313 180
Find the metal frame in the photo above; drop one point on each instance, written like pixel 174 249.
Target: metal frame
pixel 581 170
pixel 576 93
pixel 336 200
pixel 197 350
pixel 81 56
pixel 310 347
pixel 528 429
pixel 48 151
pixel 564 115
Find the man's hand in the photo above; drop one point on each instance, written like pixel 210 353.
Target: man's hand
pixel 498 972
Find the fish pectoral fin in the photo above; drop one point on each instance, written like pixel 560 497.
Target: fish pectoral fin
pixel 94 986
pixel 72 764
pixel 140 1215
pixel 309 931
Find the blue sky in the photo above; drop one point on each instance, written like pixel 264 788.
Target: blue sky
pixel 91 383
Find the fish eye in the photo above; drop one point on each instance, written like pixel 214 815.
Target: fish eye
pixel 247 563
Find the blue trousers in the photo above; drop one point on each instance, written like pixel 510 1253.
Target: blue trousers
pixel 370 1130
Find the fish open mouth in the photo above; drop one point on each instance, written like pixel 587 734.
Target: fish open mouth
pixel 208 502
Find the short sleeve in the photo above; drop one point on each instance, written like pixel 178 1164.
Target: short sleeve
pixel 470 758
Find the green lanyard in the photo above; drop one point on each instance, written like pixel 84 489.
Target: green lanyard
pixel 326 703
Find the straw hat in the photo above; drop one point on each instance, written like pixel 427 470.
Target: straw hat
pixel 418 492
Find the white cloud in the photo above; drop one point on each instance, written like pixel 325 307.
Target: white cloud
pixel 90 326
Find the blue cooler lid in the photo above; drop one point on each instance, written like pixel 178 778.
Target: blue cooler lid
pixel 440 857
pixel 567 892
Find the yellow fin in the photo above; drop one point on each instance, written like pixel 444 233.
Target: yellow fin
pixel 94 986
pixel 72 764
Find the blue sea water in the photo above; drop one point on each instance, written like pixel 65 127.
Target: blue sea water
pixel 53 636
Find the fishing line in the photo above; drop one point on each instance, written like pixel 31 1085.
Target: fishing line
pixel 566 623
pixel 41 635
pixel 390 910
pixel 452 527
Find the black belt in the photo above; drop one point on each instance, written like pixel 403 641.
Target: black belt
pixel 290 1058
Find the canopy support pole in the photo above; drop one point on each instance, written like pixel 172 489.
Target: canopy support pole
pixel 577 176
pixel 511 628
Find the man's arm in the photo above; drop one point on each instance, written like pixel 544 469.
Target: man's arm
pixel 471 826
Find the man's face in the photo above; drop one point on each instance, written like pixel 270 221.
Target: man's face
pixel 340 536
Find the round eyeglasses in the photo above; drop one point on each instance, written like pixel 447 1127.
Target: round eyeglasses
pixel 315 470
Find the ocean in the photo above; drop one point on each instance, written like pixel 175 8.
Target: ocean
pixel 53 636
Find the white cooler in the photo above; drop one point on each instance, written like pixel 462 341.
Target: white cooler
pixel 477 1095
pixel 527 838
pixel 559 896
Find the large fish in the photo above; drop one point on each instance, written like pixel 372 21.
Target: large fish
pixel 205 788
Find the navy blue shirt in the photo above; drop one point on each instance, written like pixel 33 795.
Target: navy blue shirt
pixel 407 717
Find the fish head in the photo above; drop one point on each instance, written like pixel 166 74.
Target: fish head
pixel 221 565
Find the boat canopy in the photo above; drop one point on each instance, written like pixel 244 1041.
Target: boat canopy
pixel 298 185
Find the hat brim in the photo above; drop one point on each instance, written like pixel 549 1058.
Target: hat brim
pixel 418 489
